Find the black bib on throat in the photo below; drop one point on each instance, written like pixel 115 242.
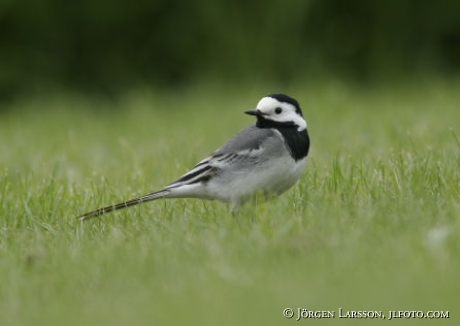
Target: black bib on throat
pixel 298 142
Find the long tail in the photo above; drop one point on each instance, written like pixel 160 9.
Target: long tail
pixel 132 202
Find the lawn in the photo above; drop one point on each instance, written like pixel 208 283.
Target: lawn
pixel 373 225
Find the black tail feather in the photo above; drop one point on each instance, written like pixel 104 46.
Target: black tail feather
pixel 132 202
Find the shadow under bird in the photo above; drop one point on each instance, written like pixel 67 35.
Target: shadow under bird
pixel 267 157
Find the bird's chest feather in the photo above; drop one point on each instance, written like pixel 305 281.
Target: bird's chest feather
pixel 297 142
pixel 282 174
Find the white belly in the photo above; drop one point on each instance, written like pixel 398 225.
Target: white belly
pixel 270 179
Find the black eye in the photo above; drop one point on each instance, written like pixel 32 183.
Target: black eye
pixel 278 110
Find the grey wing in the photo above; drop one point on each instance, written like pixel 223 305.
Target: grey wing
pixel 241 151
pixel 248 139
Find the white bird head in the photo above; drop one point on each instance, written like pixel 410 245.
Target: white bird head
pixel 280 109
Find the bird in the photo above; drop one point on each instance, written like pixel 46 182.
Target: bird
pixel 266 158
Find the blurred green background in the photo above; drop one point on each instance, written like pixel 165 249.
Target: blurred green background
pixel 107 46
pixel 102 101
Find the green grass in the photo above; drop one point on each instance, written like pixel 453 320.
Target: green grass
pixel 374 224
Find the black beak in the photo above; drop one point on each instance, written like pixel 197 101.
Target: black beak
pixel 254 112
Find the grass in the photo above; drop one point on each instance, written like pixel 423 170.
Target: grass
pixel 372 225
